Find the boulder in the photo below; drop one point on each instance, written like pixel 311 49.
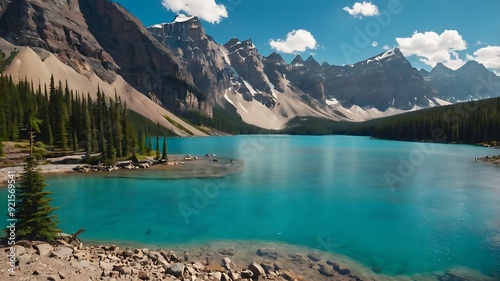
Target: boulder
pixel 216 275
pixel 43 249
pixel 340 268
pixel 176 269
pixel 128 252
pixel 325 270
pixel 19 250
pixel 227 263
pixel 227 252
pixel 270 253
pixel 246 273
pixel 225 277
pixel 24 259
pixel 143 275
pixel 63 253
pixel 314 257
pixel 256 269
pixel 171 256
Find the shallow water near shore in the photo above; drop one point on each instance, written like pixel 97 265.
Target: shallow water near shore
pixel 397 208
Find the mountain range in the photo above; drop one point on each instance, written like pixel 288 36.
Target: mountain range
pixel 175 68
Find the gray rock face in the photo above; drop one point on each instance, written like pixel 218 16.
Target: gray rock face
pixel 471 81
pixel 382 81
pixel 203 56
pixel 101 37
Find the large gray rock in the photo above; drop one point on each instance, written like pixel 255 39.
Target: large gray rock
pixel 326 270
pixel 256 269
pixel 43 249
pixel 314 257
pixel 246 273
pixel 227 263
pixel 266 252
pixel 340 268
pixel 176 269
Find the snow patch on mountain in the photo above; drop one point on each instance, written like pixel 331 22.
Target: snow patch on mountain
pixel 182 18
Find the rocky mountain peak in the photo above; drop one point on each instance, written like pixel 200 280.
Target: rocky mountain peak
pixel 297 61
pixel 473 66
pixel 440 69
pixel 275 58
pixel 185 28
pixel 311 63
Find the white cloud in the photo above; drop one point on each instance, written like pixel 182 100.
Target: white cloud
pixel 296 41
pixel 206 10
pixel 374 44
pixel 489 56
pixel 360 10
pixel 479 43
pixel 433 48
pixel 386 47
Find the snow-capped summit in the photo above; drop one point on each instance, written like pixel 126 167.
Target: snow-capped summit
pixel 183 18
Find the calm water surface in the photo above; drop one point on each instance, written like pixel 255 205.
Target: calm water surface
pixel 399 208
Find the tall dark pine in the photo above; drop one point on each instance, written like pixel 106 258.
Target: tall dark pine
pixel 35 218
pixel 165 149
pixel 127 137
pixel 158 155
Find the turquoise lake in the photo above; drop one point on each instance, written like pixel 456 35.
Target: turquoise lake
pixel 399 208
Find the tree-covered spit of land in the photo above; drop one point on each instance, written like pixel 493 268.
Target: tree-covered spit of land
pixel 65 121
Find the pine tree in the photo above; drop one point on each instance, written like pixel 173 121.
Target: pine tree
pixel 87 129
pixel 127 138
pixel 158 155
pixel 148 143
pixel 35 218
pixel 164 154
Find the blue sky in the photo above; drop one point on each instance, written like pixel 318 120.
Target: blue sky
pixel 344 32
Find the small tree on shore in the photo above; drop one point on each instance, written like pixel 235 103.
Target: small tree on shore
pixel 35 218
pixel 164 152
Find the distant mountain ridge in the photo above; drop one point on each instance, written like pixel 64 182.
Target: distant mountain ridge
pixel 472 81
pixel 180 67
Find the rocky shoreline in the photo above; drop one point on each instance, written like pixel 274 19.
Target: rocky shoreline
pixel 260 261
pixel 178 166
pixel 65 261
pixel 490 159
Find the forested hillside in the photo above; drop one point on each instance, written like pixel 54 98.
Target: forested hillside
pixel 471 122
pixel 67 121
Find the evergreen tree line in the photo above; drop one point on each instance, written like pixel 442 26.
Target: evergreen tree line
pixel 471 122
pixel 68 120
